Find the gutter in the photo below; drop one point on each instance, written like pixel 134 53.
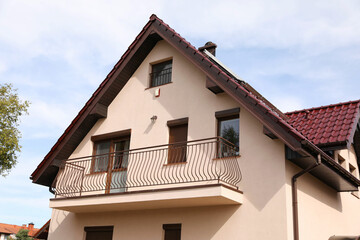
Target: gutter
pixel 295 198
pixel 51 190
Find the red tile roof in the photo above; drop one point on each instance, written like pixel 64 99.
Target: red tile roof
pixel 13 229
pixel 327 125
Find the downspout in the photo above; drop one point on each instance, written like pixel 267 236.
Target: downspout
pixel 51 190
pixel 295 198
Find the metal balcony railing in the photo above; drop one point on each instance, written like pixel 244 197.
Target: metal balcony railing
pixel 205 161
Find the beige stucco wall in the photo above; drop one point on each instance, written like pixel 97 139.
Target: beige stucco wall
pixel 323 212
pixel 263 213
pixel 350 158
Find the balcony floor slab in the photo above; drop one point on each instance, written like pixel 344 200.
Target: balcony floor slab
pixel 192 196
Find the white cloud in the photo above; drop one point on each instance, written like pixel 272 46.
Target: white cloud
pixel 288 103
pixel 45 119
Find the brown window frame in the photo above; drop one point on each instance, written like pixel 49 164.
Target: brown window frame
pixel 112 138
pixel 172 227
pixel 167 74
pixel 225 115
pixel 99 229
pixel 176 147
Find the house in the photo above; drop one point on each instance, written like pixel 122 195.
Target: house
pixel 43 232
pixel 9 230
pixel 174 145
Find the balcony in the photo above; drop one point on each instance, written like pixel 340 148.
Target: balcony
pixel 194 173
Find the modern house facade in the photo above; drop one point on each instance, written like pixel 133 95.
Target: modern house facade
pixel 174 145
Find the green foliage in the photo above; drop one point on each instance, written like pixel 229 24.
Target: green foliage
pixel 231 135
pixel 11 108
pixel 23 235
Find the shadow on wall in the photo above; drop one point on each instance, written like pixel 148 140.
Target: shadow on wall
pixel 318 190
pixel 62 226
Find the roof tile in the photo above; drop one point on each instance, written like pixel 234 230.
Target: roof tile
pixel 327 124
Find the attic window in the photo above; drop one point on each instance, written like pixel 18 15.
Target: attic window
pixel 161 73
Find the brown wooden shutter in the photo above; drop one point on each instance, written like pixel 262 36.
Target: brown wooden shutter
pixel 177 141
pixel 172 231
pixel 95 233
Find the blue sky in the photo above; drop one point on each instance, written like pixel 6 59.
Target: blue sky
pixel 298 54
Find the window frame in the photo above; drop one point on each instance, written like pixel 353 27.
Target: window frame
pixel 98 229
pixel 113 138
pixel 172 227
pixel 225 115
pixel 171 125
pixel 152 65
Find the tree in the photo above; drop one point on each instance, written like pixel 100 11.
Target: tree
pixel 22 234
pixel 11 108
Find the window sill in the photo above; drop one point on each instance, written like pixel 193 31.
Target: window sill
pixel 224 158
pixel 158 86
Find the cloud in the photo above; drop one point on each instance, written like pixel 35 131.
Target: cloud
pixel 321 25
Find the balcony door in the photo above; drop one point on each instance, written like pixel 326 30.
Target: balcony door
pixel 112 159
pixel 120 160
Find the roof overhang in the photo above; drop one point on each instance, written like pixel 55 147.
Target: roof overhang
pixel 329 172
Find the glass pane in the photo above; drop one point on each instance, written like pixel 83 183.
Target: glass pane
pixel 102 158
pixel 229 130
pixel 161 73
pixel 121 155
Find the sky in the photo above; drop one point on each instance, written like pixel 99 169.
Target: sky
pixel 297 54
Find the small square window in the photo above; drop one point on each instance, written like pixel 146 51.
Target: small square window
pixel 172 231
pixel 161 73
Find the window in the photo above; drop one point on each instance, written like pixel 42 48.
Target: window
pixel 172 231
pixel 177 140
pixel 115 149
pixel 161 73
pixel 113 146
pixel 94 233
pixel 228 130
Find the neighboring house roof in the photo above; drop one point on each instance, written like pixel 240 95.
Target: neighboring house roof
pixel 43 232
pixel 239 90
pixel 14 229
pixel 332 125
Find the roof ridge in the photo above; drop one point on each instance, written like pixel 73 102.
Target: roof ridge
pixel 324 106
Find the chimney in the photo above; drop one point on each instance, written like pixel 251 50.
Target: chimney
pixel 31 226
pixel 210 46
